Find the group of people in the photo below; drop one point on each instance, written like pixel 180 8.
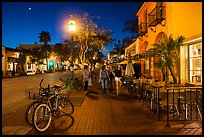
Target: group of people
pixel 107 77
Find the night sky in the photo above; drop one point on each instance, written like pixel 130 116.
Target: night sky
pixel 23 21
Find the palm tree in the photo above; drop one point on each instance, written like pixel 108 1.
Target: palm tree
pixel 46 51
pixel 168 52
pixel 22 57
pixel 131 26
pixel 45 37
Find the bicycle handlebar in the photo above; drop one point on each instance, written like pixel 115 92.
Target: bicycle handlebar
pixel 61 79
pixel 41 82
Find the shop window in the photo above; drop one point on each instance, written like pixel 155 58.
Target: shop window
pixel 195 60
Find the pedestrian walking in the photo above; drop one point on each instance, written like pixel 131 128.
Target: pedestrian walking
pixel 96 74
pixel 118 77
pixel 103 76
pixel 90 80
pixel 86 78
pixel 72 70
pixel 111 79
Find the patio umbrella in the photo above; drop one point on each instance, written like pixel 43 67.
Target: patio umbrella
pixel 129 71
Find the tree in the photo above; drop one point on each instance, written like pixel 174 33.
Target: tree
pixel 168 52
pixel 46 51
pixel 62 51
pixel 22 57
pixel 132 27
pixel 119 46
pixel 90 35
pixel 45 37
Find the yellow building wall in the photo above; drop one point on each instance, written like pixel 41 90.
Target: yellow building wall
pixel 150 36
pixel 184 18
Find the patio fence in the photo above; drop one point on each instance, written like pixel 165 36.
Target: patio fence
pixel 174 103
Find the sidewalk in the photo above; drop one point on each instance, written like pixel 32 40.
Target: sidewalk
pixel 111 114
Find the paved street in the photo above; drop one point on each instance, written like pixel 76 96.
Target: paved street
pixel 15 102
pixel 101 114
pixel 111 114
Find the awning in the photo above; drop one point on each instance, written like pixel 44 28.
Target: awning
pixel 133 61
pixel 141 55
pixel 12 59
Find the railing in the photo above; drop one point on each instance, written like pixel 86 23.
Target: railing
pixel 142 28
pixel 157 15
pixel 152 97
pixel 184 104
pixel 174 103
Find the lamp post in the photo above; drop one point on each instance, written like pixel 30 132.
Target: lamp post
pixel 72 29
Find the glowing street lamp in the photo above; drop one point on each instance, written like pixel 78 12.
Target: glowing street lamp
pixel 72 26
pixel 72 29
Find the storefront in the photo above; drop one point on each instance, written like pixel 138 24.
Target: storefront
pixel 191 61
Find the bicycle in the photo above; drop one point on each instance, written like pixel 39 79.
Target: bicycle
pixel 38 98
pixel 44 112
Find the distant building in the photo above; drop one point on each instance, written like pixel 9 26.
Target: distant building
pixel 54 61
pixel 9 60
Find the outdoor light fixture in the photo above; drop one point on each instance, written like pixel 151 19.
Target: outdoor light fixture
pixel 72 28
pixel 154 30
pixel 72 25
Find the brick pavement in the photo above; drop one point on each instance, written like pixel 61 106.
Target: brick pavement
pixel 108 115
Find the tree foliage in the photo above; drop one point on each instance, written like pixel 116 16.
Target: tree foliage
pixel 131 26
pixel 44 37
pixel 90 36
pixel 168 52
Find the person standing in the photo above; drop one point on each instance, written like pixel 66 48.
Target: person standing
pixel 111 79
pixel 96 74
pixel 86 78
pixel 118 76
pixel 72 70
pixel 90 79
pixel 103 76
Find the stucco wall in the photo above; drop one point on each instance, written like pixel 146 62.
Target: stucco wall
pixel 185 18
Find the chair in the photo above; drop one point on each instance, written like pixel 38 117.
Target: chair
pixel 172 102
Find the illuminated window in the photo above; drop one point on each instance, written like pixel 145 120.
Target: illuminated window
pixel 195 61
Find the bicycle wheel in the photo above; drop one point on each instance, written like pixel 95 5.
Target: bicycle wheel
pixel 42 117
pixel 30 111
pixel 66 106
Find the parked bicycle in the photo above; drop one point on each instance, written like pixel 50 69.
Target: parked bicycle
pixel 38 98
pixel 44 112
pixel 56 102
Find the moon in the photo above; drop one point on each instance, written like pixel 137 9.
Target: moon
pixel 29 9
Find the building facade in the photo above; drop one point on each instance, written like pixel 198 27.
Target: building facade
pixel 158 19
pixel 53 62
pixel 9 61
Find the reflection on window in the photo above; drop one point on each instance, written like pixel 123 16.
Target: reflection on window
pixel 195 54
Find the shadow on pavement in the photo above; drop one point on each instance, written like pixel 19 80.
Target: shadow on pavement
pixel 59 125
pixel 91 96
pixel 62 123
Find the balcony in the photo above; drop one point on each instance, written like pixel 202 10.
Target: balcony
pixel 156 16
pixel 142 28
